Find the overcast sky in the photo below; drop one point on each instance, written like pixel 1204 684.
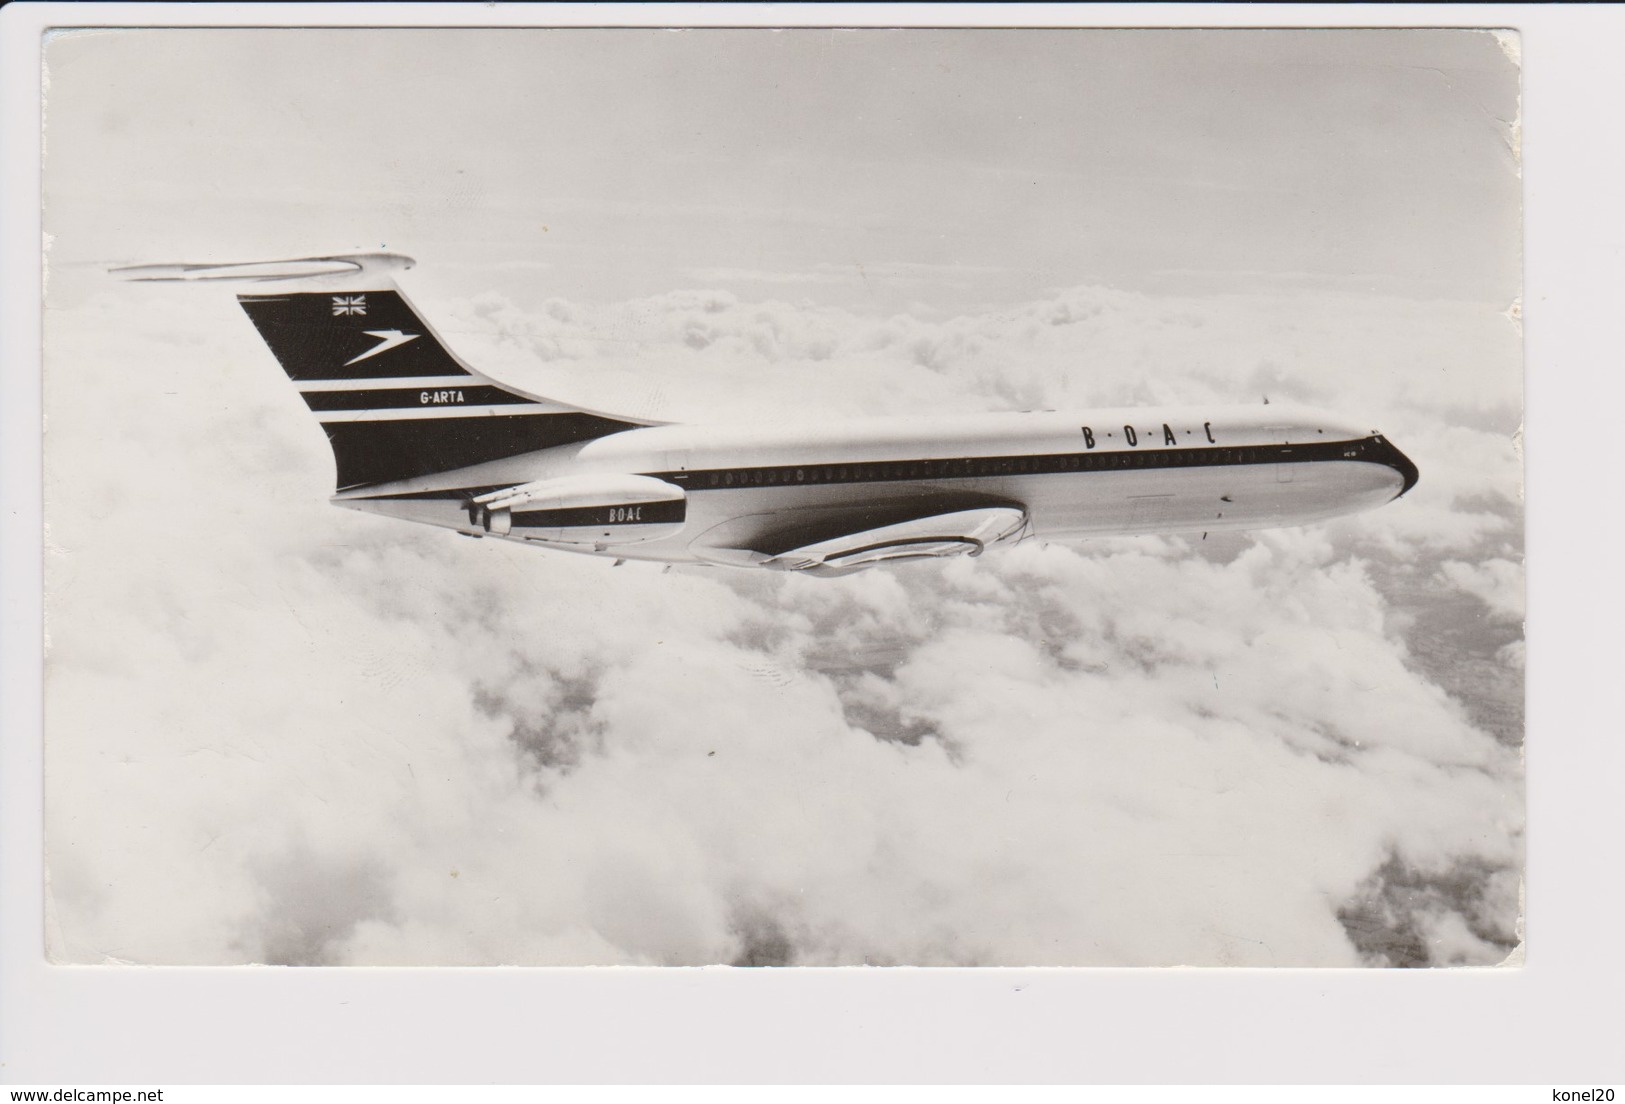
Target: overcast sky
pixel 864 169
pixel 281 732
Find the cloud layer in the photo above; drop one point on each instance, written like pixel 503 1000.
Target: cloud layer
pixel 283 733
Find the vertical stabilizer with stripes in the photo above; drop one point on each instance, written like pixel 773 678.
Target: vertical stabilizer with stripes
pixel 394 401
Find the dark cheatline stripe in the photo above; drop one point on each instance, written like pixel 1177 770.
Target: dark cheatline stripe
pixel 397 398
pixel 381 452
pixel 647 513
pixel 314 336
pixel 1374 450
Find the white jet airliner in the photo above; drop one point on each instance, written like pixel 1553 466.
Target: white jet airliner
pixel 416 434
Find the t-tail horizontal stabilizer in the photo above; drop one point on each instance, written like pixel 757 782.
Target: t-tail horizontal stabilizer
pixel 345 269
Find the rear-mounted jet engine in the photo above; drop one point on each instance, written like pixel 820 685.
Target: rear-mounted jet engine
pixel 583 509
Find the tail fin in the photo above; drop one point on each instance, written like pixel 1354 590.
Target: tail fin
pixel 394 401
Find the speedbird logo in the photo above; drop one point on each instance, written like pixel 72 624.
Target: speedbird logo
pixel 389 339
pixel 349 304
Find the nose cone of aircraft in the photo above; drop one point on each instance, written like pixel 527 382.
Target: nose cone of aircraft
pixel 1391 456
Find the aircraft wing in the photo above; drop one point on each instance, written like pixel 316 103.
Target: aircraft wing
pixel 837 545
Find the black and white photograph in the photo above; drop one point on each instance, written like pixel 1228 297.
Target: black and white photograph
pixel 811 497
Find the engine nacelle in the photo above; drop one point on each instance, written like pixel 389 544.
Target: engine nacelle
pixel 602 510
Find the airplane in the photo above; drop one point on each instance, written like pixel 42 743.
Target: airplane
pixel 419 435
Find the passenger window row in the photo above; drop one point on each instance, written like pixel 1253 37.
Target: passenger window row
pixel 991 466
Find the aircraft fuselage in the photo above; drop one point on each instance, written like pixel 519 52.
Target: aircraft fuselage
pixel 771 484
